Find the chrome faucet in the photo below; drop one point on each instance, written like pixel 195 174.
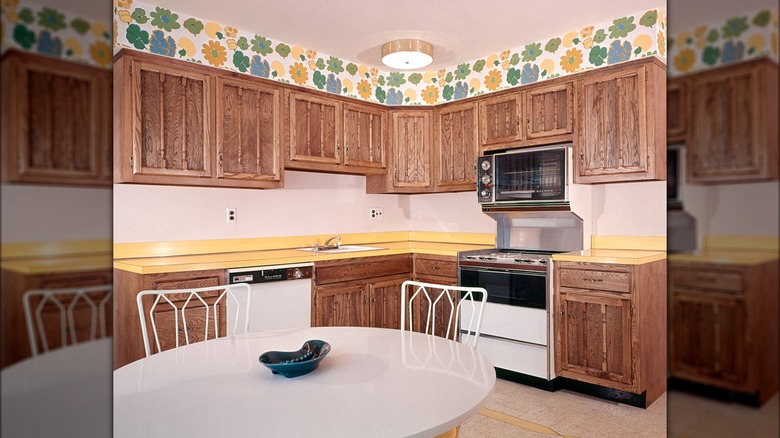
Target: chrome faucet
pixel 336 238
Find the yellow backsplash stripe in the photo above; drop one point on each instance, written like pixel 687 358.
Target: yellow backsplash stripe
pixel 743 243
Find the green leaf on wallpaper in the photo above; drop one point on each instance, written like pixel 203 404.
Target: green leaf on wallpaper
pixel 713 36
pixel 241 61
pixel 710 55
pixel 24 36
pixel 689 41
pixel 496 63
pixel 68 52
pixel 219 35
pixel 544 73
pixel 283 50
pixel 261 45
pixel 80 25
pixel 193 25
pixel 273 74
pixel 139 16
pixel 597 55
pixel 137 37
pixel 575 41
pixel 751 50
pixel 380 95
pixel 638 50
pixel 352 68
pixel 735 27
pixel 515 59
pixel 381 80
pixel 447 92
pixel 51 19
pixel 344 90
pixel 434 80
pixel 552 45
pixel 395 79
pixel 407 100
pixel 319 79
pixel 182 53
pixel 26 16
pixel 479 65
pixel 599 36
pixel 670 43
pixel 302 57
pixel 165 19
pixel 649 18
pixel 415 78
pixel 621 27
pixel 530 53
pixel 242 43
pixel 762 18
pixel 513 76
pixel 335 65
pixel 320 63
pixel 448 78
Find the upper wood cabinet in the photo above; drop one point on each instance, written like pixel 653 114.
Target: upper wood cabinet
pixel 456 145
pixel 677 110
pixel 409 163
pixel 734 130
pixel 550 111
pixel 56 121
pixel 365 129
pixel 248 137
pixel 620 131
pixel 315 129
pixel 500 121
pixel 182 124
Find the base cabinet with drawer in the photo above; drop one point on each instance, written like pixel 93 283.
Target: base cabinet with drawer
pixel 609 325
pixel 723 327
pixel 441 270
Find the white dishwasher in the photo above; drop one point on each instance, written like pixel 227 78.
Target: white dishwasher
pixel 281 296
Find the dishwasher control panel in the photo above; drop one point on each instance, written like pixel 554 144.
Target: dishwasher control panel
pixel 268 274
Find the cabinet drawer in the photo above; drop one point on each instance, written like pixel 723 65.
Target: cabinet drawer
pixel 599 280
pixel 361 269
pixel 439 268
pixel 698 279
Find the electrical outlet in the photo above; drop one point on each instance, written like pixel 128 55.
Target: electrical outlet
pixel 231 215
pixel 376 213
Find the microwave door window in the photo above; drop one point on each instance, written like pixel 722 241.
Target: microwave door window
pixel 530 176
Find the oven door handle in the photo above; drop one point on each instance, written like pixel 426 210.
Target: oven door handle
pixel 503 271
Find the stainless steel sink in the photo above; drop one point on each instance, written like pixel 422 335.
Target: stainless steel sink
pixel 340 249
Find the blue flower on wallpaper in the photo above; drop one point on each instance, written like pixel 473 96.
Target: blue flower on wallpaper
pixel 619 52
pixel 161 45
pixel 48 44
pixel 461 90
pixel 333 84
pixel 733 51
pixel 395 97
pixel 530 73
pixel 259 67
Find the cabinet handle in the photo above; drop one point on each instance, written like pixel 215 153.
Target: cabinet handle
pixel 517 123
pixel 594 280
pixel 220 158
pixel 582 159
pixel 435 267
pixel 338 148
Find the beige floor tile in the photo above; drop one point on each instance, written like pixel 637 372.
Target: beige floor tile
pixel 691 416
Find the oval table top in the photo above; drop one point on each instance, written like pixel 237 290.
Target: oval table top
pixel 374 382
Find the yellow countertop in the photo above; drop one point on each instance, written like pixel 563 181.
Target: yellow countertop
pixel 620 256
pixel 745 258
pixel 56 257
pixel 58 265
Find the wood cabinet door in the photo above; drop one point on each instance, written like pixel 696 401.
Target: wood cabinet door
pixel 411 159
pixel 385 303
pixel 677 110
pixel 457 147
pixel 708 338
pixel 248 130
pixel 171 119
pixel 500 121
pixel 54 124
pixel 725 140
pixel 441 310
pixel 595 336
pixel 611 144
pixel 315 129
pixel 341 305
pixel 365 129
pixel 549 111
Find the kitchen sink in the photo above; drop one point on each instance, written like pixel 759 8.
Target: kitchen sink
pixel 342 248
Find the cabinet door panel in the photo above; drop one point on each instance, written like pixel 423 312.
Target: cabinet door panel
pixel 549 111
pixel 364 136
pixel 500 120
pixel 457 142
pixel 412 149
pixel 341 305
pixel 385 307
pixel 676 110
pixel 314 129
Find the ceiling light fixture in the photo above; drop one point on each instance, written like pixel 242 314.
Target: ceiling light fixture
pixel 407 54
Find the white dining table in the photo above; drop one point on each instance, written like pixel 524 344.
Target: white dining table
pixel 63 393
pixel 373 383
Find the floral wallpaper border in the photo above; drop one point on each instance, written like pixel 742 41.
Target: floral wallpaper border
pixel 162 31
pixel 752 35
pixel 51 31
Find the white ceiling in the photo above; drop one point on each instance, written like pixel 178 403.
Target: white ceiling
pixel 460 30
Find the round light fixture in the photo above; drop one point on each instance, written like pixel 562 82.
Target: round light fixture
pixel 407 54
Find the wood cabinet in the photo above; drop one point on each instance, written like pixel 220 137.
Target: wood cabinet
pixel 441 270
pixel 721 316
pixel 409 161
pixel 315 129
pixel 620 124
pixel 364 292
pixel 128 342
pixel 365 130
pixel 609 325
pixel 733 130
pixel 456 146
pixel 184 124
pixel 537 114
pixel 56 121
pixel 677 109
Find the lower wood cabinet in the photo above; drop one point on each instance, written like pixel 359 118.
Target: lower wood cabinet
pixel 610 324
pixel 441 270
pixel 723 326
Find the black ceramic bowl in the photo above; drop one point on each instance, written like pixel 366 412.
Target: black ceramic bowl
pixel 296 363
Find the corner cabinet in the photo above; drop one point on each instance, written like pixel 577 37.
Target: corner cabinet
pixel 456 146
pixel 56 121
pixel 184 124
pixel 620 131
pixel 677 110
pixel 610 322
pixel 734 131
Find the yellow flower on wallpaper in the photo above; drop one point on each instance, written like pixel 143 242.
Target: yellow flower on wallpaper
pixel 490 60
pixel 475 84
pixel 701 43
pixel 428 77
pixel 505 65
pixel 114 33
pixel 493 79
pixel 374 81
pixel 430 94
pixel 661 43
pixel 124 4
pixel 364 89
pixel 505 55
pixel 700 31
pixel 682 38
pixel 187 45
pixel 74 46
pixel 410 94
pixel 374 72
pixel 100 29
pixel 124 16
pixel 644 41
pixel 278 67
pixel 230 32
pixel 568 39
pixel 212 28
pixel 571 61
pixel 347 84
pixel 296 52
pixel 684 60
pixel 312 65
pixel 100 52
pixel 311 54
pixel 298 73
pixel 586 32
pixel 231 43
pixel 214 53
pixel 11 16
pixel 440 74
pixel 756 42
pixel 362 70
pixel 587 43
pixel 547 65
pixel 10 4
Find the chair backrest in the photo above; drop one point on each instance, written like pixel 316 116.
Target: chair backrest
pixel 195 302
pixel 454 312
pixel 65 316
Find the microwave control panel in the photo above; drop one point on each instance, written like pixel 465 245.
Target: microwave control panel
pixel 485 179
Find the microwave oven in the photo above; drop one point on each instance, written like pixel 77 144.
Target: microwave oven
pixel 524 177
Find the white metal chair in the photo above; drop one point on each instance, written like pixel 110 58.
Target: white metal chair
pixel 194 300
pixel 461 306
pixel 78 314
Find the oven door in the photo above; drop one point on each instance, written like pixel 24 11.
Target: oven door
pixel 512 287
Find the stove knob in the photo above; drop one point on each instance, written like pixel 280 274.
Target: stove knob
pixel 486 179
pixel 297 274
pixel 485 165
pixel 484 193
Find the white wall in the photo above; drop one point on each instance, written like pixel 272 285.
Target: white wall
pixel 45 213
pixel 629 209
pixel 453 212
